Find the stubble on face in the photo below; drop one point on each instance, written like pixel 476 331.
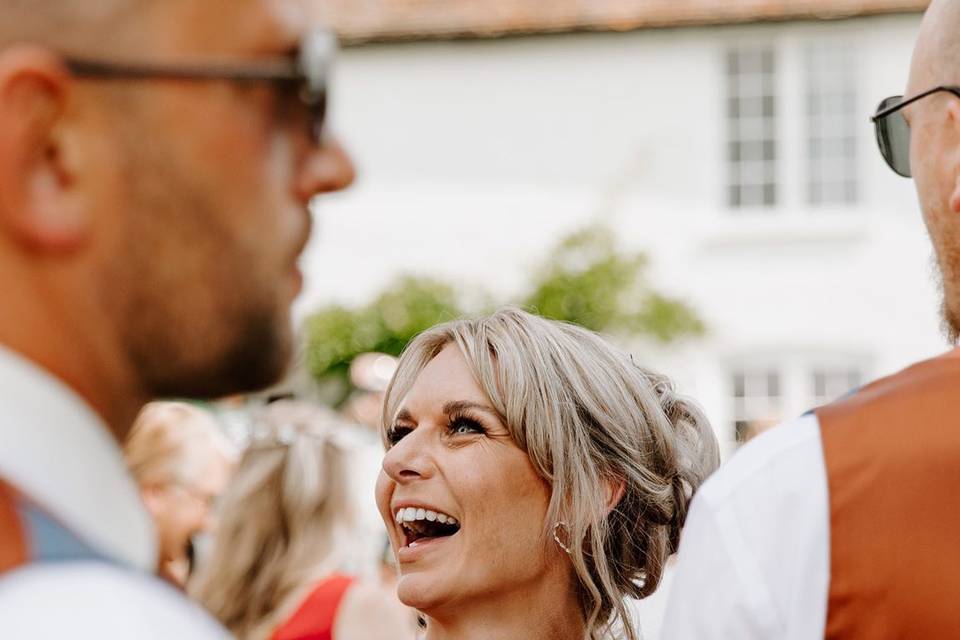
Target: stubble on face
pixel 949 318
pixel 201 290
pixel 200 320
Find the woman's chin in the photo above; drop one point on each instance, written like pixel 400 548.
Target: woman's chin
pixel 419 592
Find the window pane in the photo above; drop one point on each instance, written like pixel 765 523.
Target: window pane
pixel 832 124
pixel 769 194
pixel 733 63
pixel 773 384
pixel 739 386
pixel 831 383
pixel 735 196
pixel 819 384
pixel 756 401
pixel 733 108
pixel 751 127
pixel 768 106
pixel 734 154
pixel 769 150
pixel 767 57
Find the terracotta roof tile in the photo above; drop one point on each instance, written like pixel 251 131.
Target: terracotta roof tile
pixel 370 20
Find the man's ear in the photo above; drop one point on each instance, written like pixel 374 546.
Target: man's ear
pixel 39 206
pixel 952 130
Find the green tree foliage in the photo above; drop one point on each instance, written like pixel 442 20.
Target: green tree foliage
pixel 336 335
pixel 585 279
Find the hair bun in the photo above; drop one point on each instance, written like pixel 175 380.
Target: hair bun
pixel 681 500
pixel 688 454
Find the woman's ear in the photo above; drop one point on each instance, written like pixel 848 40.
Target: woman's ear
pixel 615 488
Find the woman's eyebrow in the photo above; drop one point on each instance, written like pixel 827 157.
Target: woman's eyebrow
pixel 404 415
pixel 461 405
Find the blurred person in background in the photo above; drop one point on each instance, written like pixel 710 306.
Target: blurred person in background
pixel 276 568
pixel 182 462
pixel 535 479
pixel 843 524
pixel 157 160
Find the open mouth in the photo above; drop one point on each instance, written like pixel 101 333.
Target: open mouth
pixel 422 525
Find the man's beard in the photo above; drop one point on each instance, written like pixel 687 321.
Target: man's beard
pixel 949 323
pixel 255 354
pixel 196 308
pixel 218 333
pixel 949 318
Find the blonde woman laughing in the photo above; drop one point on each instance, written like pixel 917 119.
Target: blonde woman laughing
pixel 534 479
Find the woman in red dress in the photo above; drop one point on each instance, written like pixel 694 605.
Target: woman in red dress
pixel 275 569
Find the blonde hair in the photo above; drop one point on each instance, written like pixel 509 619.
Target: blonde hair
pixel 279 521
pixel 589 419
pixel 172 442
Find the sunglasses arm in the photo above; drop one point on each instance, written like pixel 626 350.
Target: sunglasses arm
pixel 894 108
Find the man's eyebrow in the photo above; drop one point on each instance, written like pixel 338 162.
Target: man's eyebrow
pixel 280 49
pixel 280 40
pixel 404 415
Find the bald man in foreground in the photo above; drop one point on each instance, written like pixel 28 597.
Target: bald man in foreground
pixel 157 158
pixel 846 523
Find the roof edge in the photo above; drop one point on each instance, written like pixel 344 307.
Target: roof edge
pixel 358 37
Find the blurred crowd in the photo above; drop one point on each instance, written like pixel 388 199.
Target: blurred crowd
pixel 263 527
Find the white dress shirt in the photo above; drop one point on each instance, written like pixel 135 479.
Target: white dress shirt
pixel 55 449
pixel 754 559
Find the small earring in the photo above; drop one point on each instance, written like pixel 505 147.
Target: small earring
pixel 557 537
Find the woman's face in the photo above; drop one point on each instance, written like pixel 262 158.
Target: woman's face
pixel 452 457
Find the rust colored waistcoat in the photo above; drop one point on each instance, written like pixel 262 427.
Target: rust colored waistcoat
pixel 892 453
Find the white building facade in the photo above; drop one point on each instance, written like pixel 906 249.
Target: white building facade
pixel 741 159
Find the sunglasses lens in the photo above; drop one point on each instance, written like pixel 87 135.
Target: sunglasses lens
pixel 893 137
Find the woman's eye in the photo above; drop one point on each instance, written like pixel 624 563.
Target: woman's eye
pixel 396 434
pixel 463 426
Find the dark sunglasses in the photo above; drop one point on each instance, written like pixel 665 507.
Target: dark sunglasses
pixel 893 132
pixel 305 73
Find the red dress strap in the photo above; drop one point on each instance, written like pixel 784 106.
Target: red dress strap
pixel 13 540
pixel 315 618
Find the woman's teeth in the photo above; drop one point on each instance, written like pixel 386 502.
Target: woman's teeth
pixel 412 514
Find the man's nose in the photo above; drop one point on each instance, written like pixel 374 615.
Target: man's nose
pixel 327 169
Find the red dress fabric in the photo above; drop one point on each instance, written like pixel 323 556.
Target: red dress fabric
pixel 315 618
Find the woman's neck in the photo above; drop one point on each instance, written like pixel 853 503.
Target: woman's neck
pixel 542 615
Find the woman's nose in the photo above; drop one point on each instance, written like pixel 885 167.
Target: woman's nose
pixel 410 459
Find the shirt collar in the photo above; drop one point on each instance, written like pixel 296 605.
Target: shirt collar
pixel 56 450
